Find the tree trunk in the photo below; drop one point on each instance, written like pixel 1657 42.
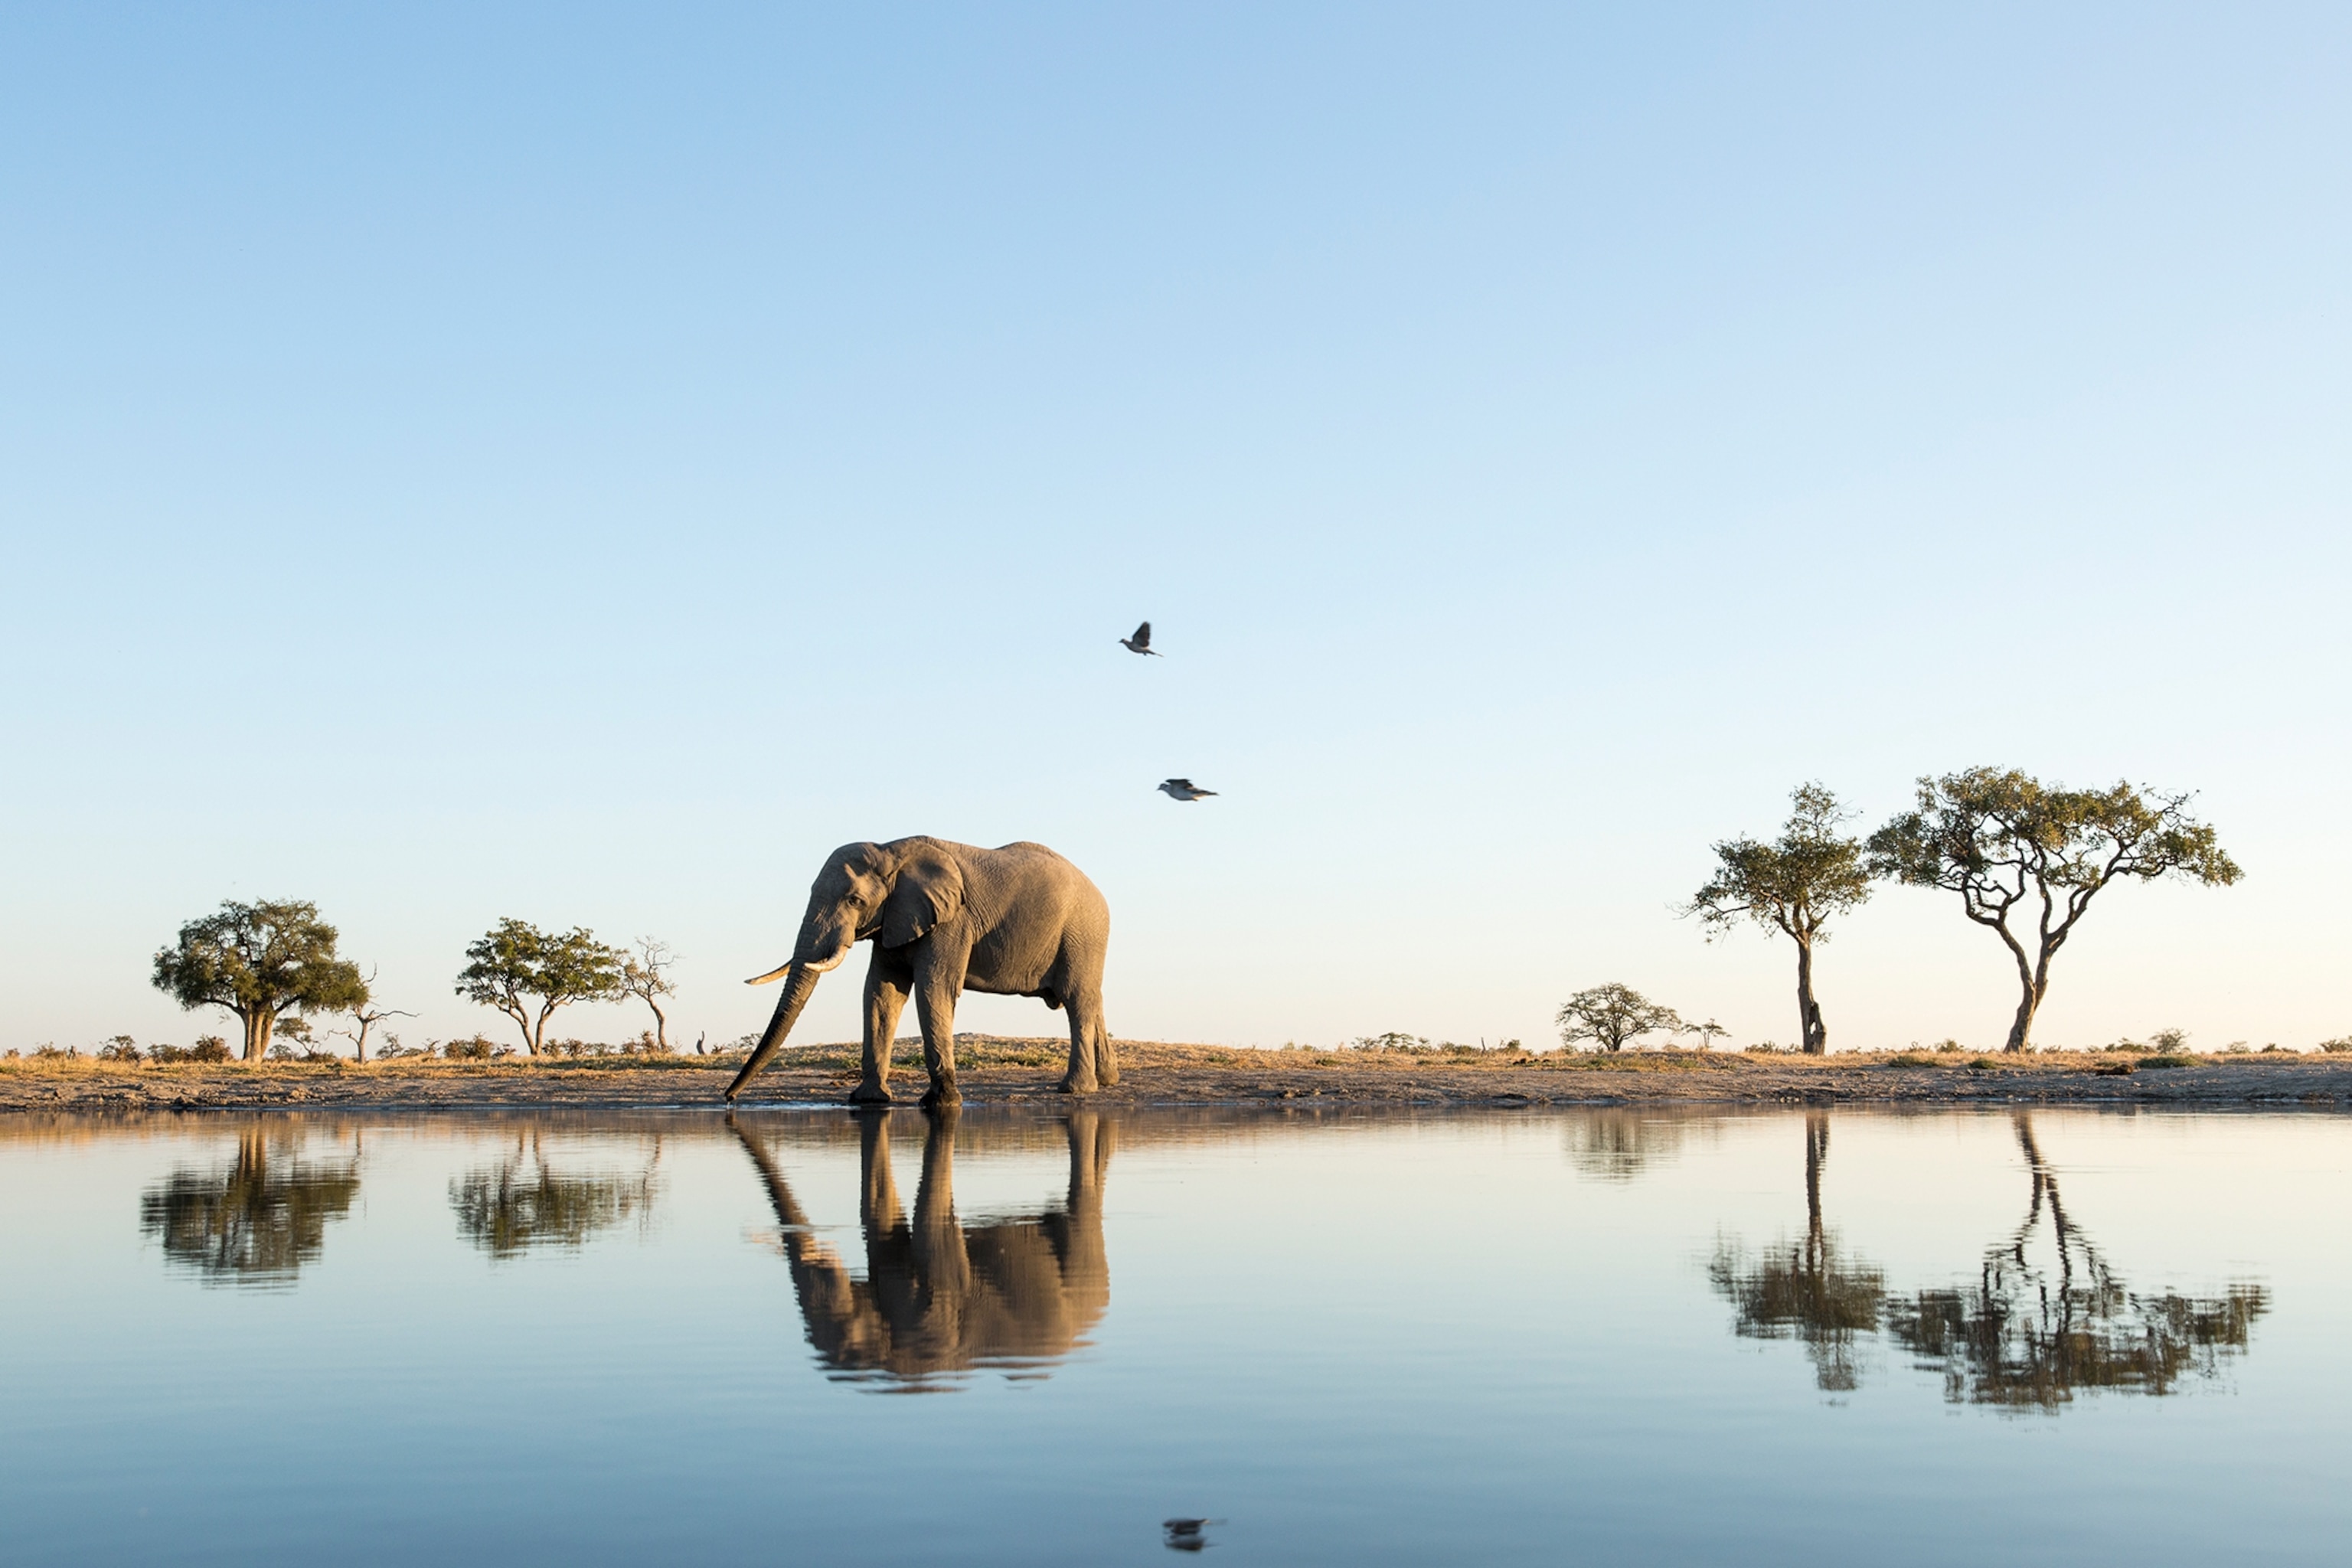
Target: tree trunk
pixel 257 1026
pixel 661 1028
pixel 2021 1030
pixel 1811 1030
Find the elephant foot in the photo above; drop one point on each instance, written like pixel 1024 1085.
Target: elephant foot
pixel 1076 1085
pixel 869 1094
pixel 942 1092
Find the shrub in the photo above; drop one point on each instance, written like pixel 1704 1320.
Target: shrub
pixel 2336 1047
pixel 53 1052
pixel 2172 1042
pixel 2131 1046
pixel 476 1049
pixel 1950 1048
pixel 1393 1041
pixel 2170 1059
pixel 1984 1064
pixel 2237 1048
pixel 120 1049
pixel 1911 1059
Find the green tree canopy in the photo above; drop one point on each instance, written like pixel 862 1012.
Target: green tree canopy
pixel 260 962
pixel 1610 1015
pixel 1793 887
pixel 2007 843
pixel 528 974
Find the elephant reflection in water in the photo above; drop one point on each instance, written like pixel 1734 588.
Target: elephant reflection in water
pixel 941 1297
pixel 256 1223
pixel 2048 1314
pixel 1805 1290
pixel 522 1202
pixel 2029 1333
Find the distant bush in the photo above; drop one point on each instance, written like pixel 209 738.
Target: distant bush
pixel 120 1049
pixel 1414 1045
pixel 2274 1048
pixel 2172 1042
pixel 392 1050
pixel 2336 1047
pixel 1950 1048
pixel 52 1052
pixel 1912 1059
pixel 2131 1046
pixel 2237 1048
pixel 476 1049
pixel 2170 1059
pixel 1984 1064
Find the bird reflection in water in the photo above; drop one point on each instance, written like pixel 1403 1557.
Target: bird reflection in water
pixel 941 1297
pixel 256 1223
pixel 2048 1314
pixel 522 1202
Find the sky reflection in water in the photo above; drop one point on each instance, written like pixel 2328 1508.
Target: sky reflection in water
pixel 1513 1336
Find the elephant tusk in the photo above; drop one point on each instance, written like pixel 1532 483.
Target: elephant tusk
pixel 776 974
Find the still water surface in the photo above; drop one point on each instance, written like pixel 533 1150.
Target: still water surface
pixel 808 1337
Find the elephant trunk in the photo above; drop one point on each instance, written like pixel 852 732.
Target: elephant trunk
pixel 799 985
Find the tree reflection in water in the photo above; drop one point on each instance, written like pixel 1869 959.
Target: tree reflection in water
pixel 258 1222
pixel 941 1297
pixel 2034 1329
pixel 1805 1290
pixel 522 1202
pixel 1618 1145
pixel 2048 1315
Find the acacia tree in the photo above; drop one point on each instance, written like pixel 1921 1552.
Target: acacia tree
pixel 1792 887
pixel 514 961
pixel 1610 1015
pixel 2005 842
pixel 644 976
pixel 262 962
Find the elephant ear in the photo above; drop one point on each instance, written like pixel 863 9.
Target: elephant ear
pixel 928 892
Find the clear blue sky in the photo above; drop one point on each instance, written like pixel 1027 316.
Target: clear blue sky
pixel 584 463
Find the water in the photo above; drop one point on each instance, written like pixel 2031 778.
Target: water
pixel 1610 1336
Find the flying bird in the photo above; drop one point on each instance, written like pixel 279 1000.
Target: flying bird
pixel 1183 789
pixel 1141 642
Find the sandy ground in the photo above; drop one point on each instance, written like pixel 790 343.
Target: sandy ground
pixel 998 1071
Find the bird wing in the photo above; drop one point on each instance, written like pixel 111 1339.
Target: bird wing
pixel 1142 637
pixel 1180 783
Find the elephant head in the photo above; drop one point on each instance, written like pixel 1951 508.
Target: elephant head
pixel 890 893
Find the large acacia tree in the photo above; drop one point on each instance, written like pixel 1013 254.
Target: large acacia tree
pixel 527 973
pixel 2011 845
pixel 1793 887
pixel 263 962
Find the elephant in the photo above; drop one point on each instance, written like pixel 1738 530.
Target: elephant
pixel 1017 920
pixel 941 1297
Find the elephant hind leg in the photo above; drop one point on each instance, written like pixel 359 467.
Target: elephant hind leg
pixel 1094 1063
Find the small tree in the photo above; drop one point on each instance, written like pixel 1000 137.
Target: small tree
pixel 1792 887
pixel 2003 840
pixel 514 961
pixel 262 962
pixel 1612 1015
pixel 1707 1033
pixel 367 1016
pixel 644 975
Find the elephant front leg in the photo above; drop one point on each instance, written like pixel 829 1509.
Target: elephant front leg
pixel 887 984
pixel 937 982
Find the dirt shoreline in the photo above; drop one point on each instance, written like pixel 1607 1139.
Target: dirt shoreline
pixel 1003 1071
